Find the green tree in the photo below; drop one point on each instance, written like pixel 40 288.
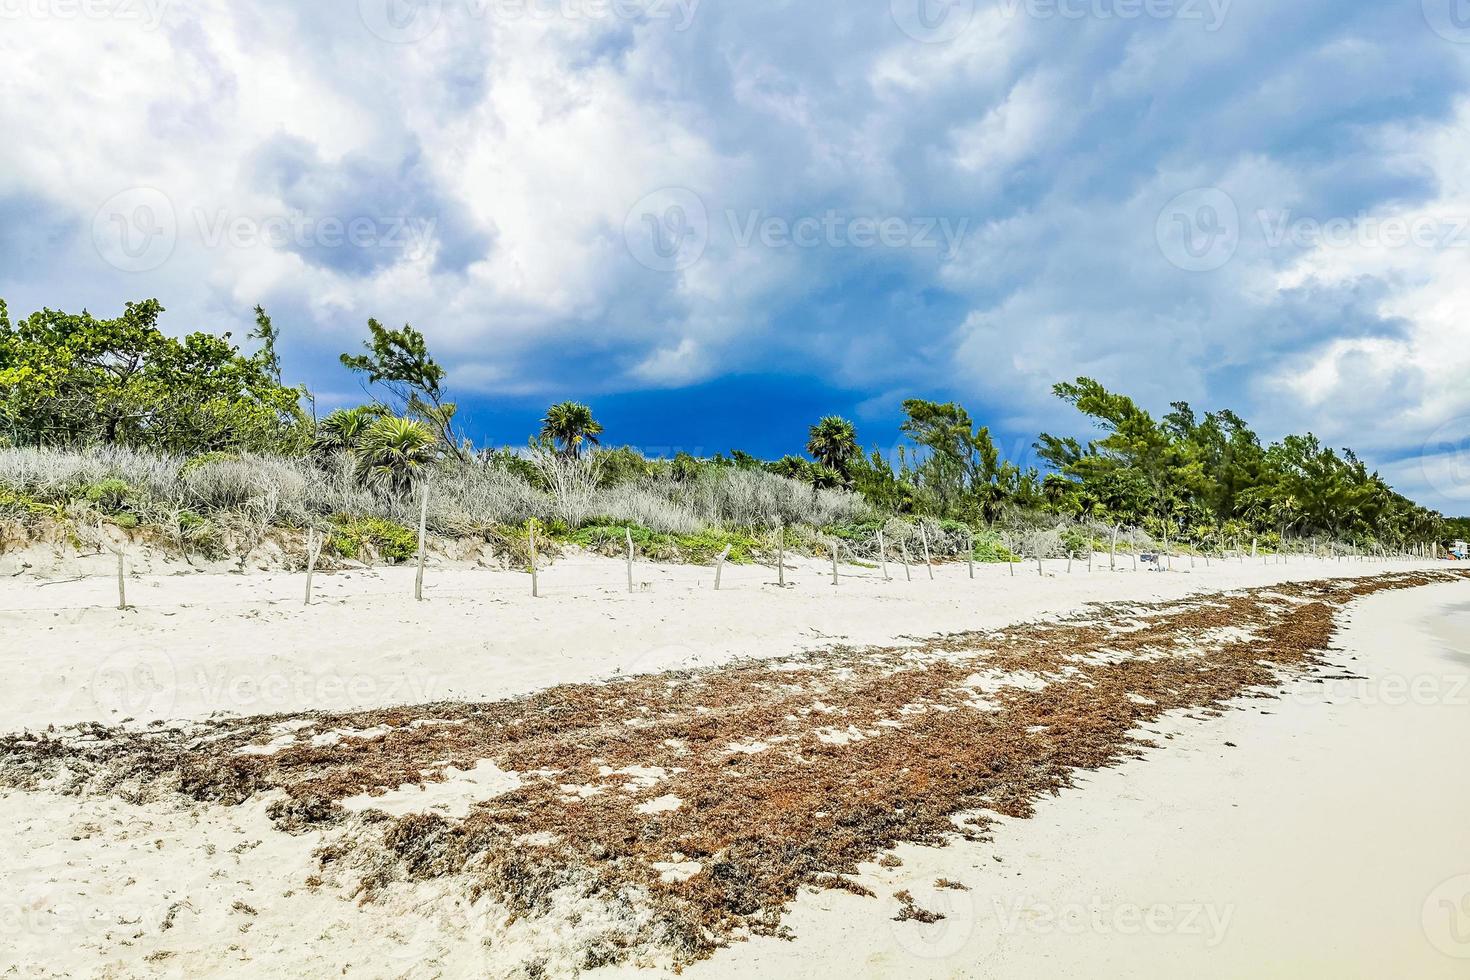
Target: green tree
pixel 394 453
pixel 342 431
pixel 398 361
pixel 833 443
pixel 72 378
pixel 568 425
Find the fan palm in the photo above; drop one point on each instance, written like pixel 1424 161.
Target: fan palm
pixel 343 429
pixel 833 443
pixel 393 453
pixel 568 425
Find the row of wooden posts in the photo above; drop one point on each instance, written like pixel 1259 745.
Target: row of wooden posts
pixel 315 543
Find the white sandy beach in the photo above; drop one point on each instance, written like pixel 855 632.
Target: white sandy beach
pixel 198 644
pixel 1313 847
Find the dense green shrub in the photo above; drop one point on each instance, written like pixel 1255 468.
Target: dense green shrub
pixel 354 537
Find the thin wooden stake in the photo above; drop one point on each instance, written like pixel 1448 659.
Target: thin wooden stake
pixel 535 581
pixel 1113 551
pixel 832 546
pixel 720 566
pixel 883 556
pixel 1039 570
pixel 781 557
pixel 904 550
pixel 313 548
pixel 629 532
pixel 418 582
pixel 928 561
pixel 122 589
pixel 970 553
pixel 1070 555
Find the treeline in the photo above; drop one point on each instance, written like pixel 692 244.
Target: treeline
pixel 69 380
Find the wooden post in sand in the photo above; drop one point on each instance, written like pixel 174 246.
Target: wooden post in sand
pixel 535 581
pixel 1039 570
pixel 1134 556
pixel 122 592
pixel 1113 551
pixel 1255 542
pixel 883 555
pixel 720 566
pixel 1069 561
pixel 970 553
pixel 928 561
pixel 833 547
pixel 313 548
pixel 781 557
pixel 903 548
pixel 418 582
pixel 629 532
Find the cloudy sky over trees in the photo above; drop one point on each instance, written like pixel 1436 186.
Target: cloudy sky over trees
pixel 738 213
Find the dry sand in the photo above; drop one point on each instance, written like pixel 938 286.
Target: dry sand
pixel 1312 848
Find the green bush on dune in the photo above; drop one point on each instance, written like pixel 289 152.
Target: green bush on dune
pixel 698 548
pixel 353 537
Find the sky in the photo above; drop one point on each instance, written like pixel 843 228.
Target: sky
pixel 717 220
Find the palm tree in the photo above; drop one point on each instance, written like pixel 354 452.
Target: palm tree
pixel 568 425
pixel 393 453
pixel 343 429
pixel 833 443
